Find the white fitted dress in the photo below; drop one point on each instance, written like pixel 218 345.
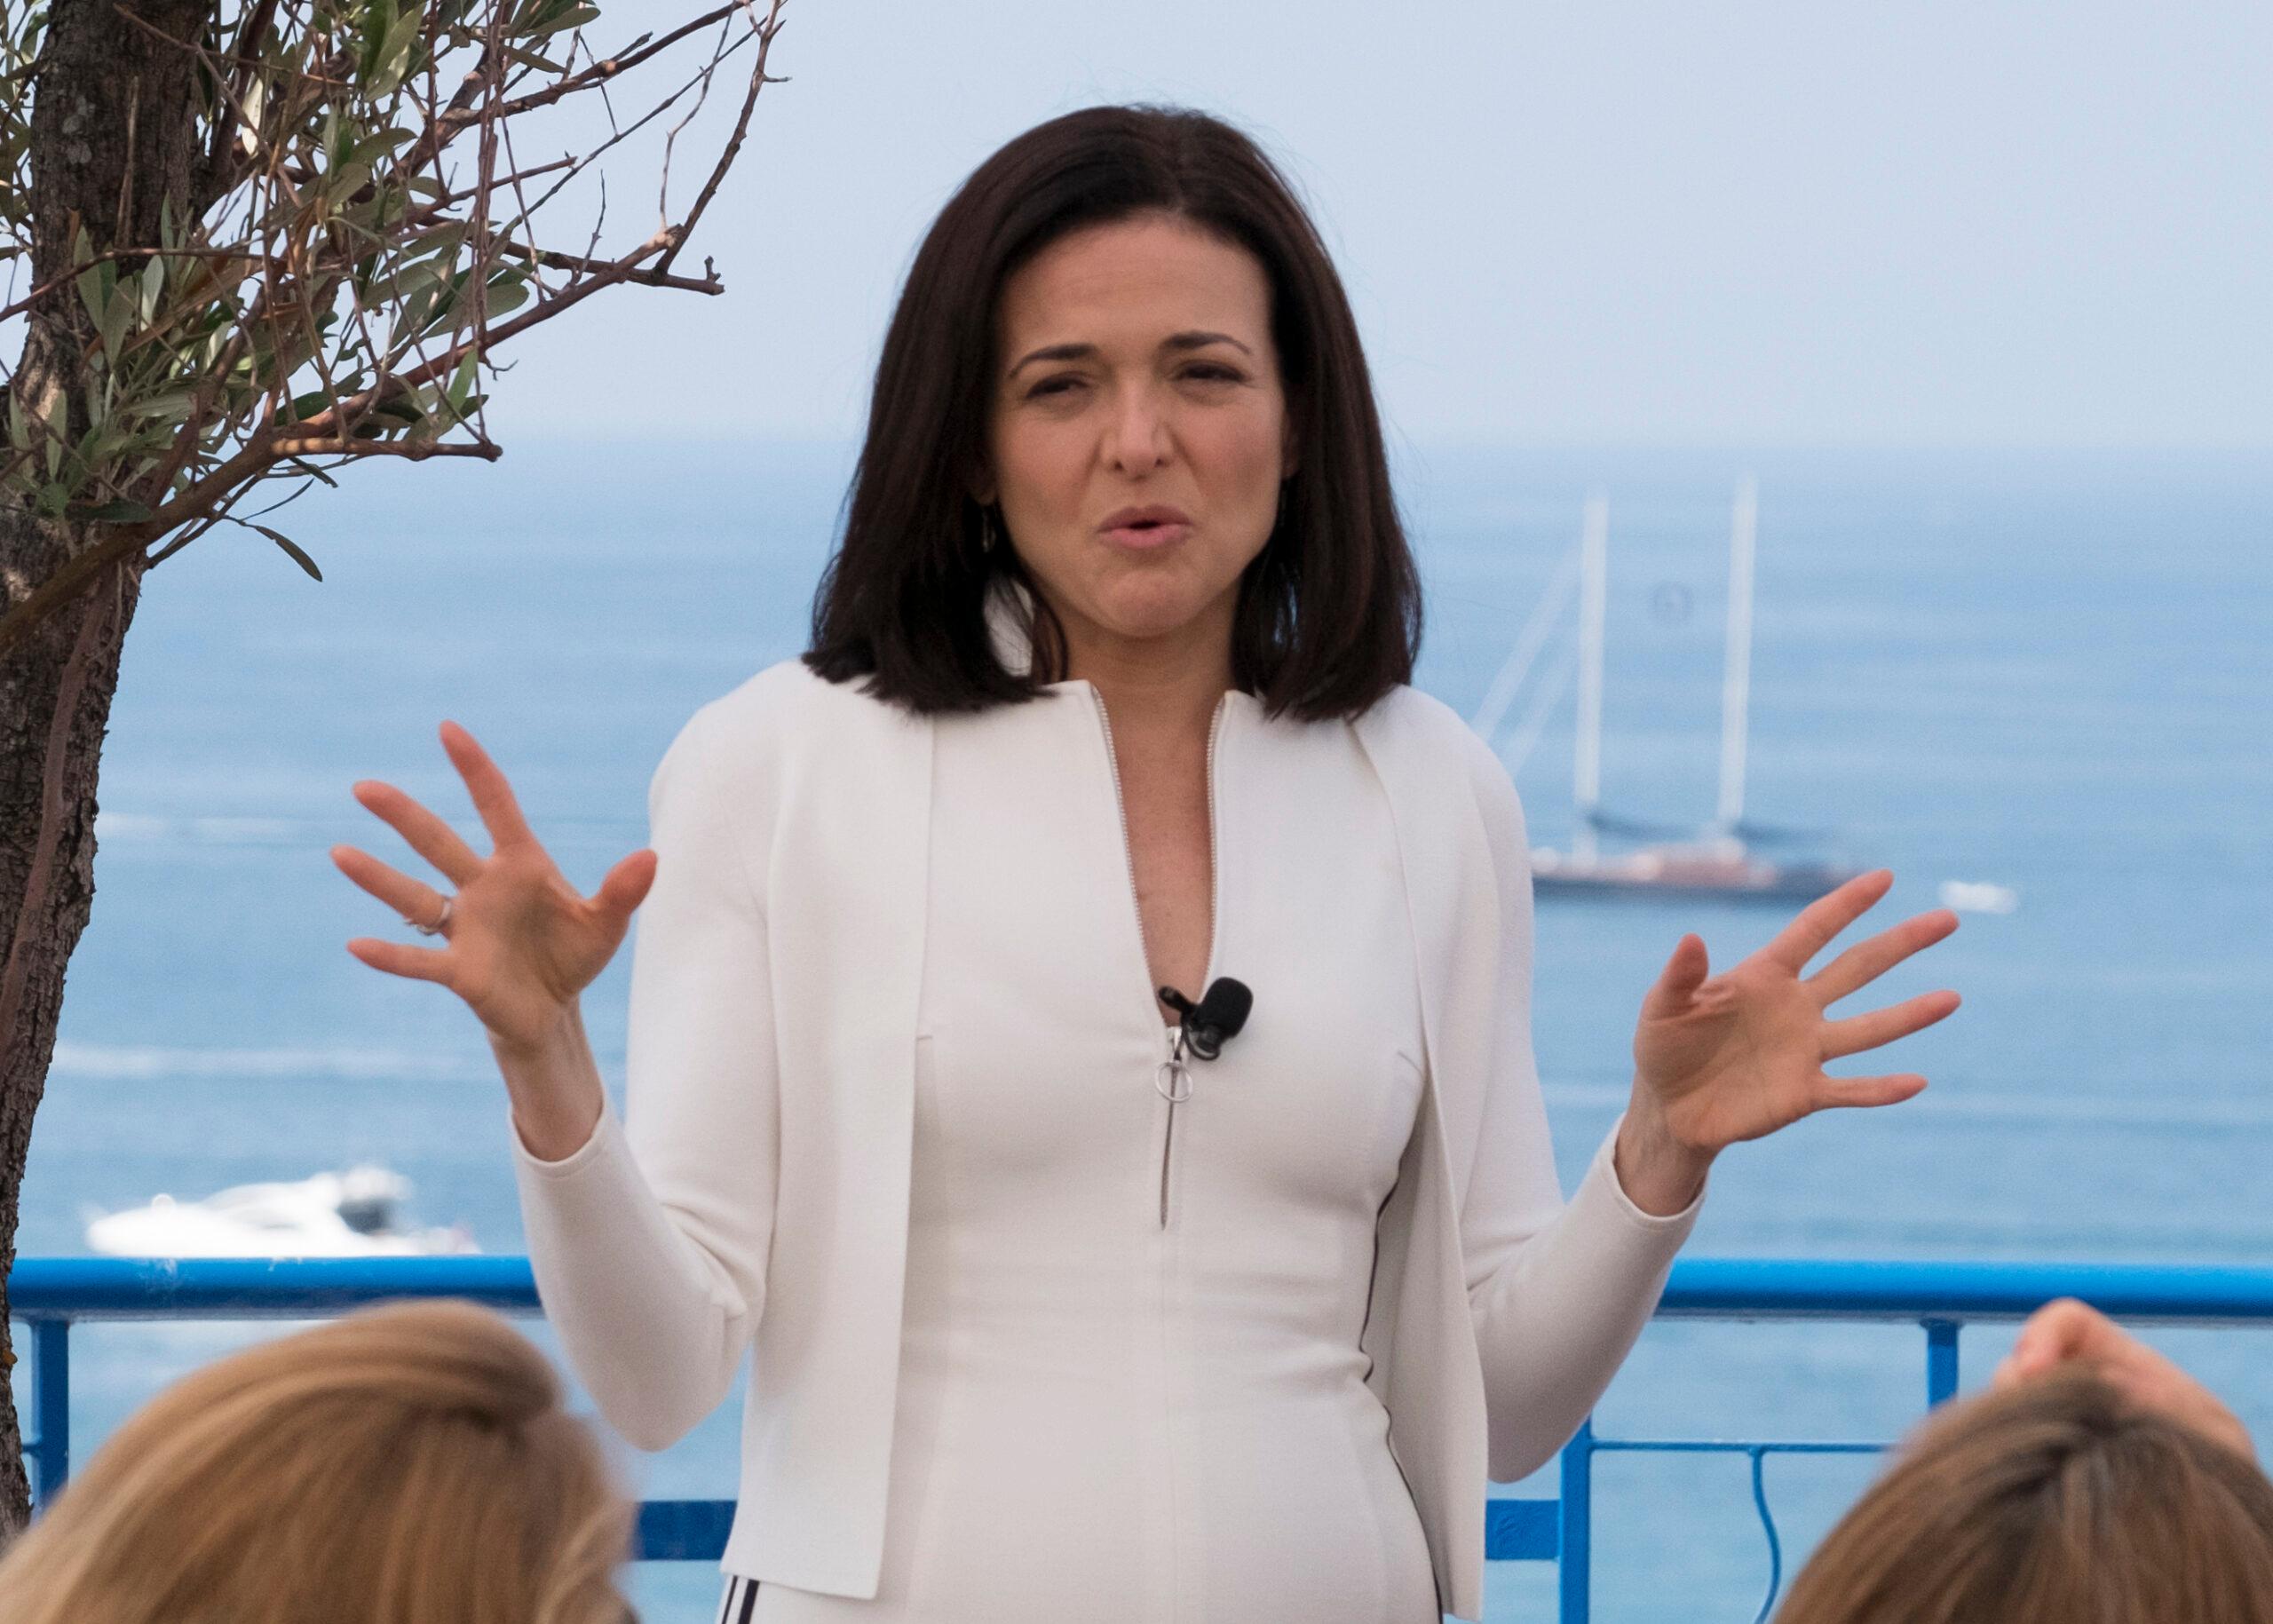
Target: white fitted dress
pixel 1130 1386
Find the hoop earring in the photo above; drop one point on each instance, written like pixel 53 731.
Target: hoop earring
pixel 990 534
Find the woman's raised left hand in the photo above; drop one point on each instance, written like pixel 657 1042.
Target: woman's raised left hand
pixel 1737 1055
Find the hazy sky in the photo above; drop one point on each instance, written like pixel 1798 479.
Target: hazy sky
pixel 1915 223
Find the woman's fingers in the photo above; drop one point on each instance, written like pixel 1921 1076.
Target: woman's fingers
pixel 427 835
pixel 1865 961
pixel 1838 1093
pixel 1858 1033
pixel 1686 970
pixel 401 959
pixel 626 885
pixel 409 899
pixel 1813 927
pixel 492 796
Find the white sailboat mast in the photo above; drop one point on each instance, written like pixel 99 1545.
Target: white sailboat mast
pixel 1736 682
pixel 1594 570
pixel 1546 621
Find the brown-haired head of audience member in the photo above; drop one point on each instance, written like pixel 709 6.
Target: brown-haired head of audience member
pixel 406 1463
pixel 2056 1500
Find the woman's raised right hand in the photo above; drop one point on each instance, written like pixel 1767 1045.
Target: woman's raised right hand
pixel 520 944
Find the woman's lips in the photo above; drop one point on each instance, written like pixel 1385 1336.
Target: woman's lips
pixel 1146 538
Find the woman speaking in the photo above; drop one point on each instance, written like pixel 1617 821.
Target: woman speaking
pixel 1080 1033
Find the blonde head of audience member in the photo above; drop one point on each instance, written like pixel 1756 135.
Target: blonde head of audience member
pixel 410 1463
pixel 2096 1484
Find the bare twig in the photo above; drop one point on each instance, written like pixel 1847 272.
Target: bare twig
pixel 428 211
pixel 632 128
pixel 579 262
pixel 758 81
pixel 601 72
pixel 188 534
pixel 671 136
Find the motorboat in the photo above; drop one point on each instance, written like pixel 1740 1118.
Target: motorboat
pixel 350 1214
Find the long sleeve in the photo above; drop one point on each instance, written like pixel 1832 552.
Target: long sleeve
pixel 1558 1292
pixel 649 1243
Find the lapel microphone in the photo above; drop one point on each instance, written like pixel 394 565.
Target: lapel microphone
pixel 1215 1019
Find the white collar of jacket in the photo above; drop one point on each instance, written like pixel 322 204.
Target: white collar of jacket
pixel 819 1431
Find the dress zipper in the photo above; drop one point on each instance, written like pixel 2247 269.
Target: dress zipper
pixel 1173 1084
pixel 1172 1080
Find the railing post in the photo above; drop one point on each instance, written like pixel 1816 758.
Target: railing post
pixel 1941 1361
pixel 1573 1558
pixel 52 1404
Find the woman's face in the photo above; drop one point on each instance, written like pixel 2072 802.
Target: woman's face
pixel 1138 434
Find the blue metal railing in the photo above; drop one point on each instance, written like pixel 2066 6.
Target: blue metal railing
pixel 50 1294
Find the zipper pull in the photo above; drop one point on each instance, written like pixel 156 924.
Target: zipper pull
pixel 1172 1078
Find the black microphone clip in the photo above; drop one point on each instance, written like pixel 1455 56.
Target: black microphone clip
pixel 1215 1019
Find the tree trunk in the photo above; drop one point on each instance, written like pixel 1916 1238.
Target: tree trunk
pixel 55 695
pixel 116 128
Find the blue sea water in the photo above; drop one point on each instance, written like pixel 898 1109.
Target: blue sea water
pixel 2049 672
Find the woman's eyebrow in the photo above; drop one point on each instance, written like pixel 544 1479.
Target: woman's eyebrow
pixel 1082 351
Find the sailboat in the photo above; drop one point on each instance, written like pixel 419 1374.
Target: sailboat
pixel 1721 860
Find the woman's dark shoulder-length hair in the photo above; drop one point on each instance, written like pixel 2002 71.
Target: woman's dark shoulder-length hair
pixel 1329 613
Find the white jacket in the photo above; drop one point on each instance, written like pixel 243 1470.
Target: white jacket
pixel 755 1196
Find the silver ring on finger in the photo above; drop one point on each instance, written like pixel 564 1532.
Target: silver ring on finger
pixel 431 930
